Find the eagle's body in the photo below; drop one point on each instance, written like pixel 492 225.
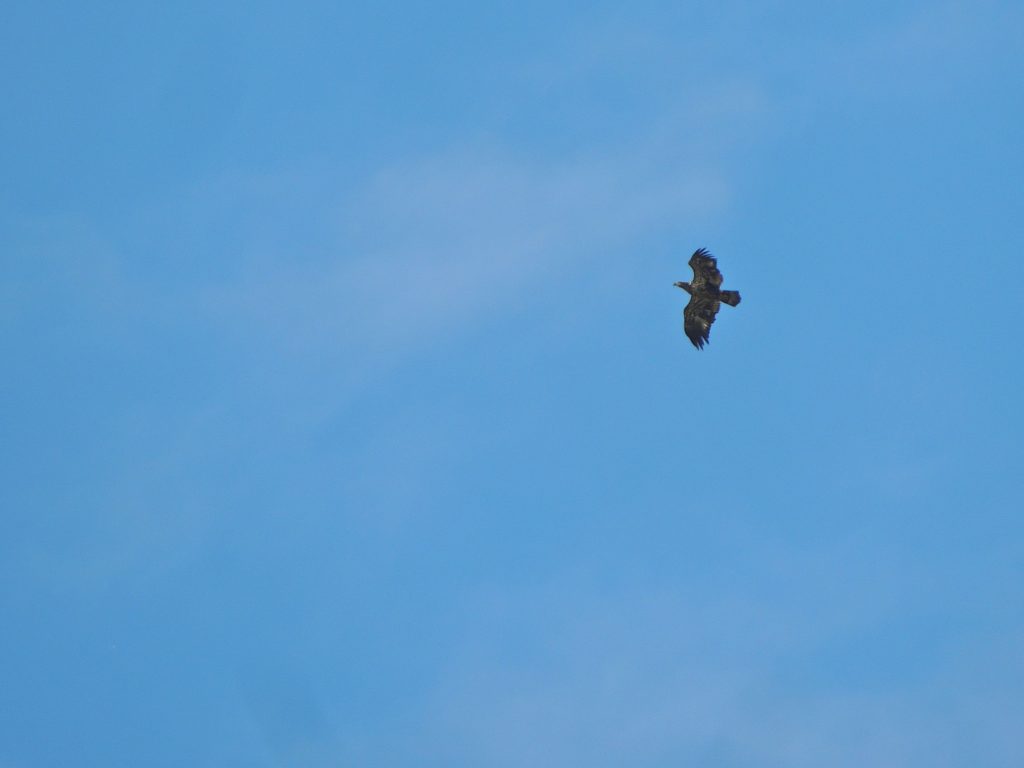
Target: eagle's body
pixel 706 296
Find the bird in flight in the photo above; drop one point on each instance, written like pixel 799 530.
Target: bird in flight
pixel 706 296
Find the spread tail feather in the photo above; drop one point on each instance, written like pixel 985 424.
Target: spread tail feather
pixel 732 298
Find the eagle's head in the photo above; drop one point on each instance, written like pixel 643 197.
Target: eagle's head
pixel 684 286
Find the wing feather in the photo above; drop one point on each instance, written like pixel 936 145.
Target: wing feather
pixel 705 270
pixel 698 316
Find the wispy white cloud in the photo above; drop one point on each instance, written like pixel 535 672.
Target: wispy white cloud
pixel 438 245
pixel 655 678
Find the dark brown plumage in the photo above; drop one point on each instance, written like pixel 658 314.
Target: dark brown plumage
pixel 706 296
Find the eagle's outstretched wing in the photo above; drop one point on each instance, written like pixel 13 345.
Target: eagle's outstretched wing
pixel 705 270
pixel 698 317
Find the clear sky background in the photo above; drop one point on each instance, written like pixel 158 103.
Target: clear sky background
pixel 348 418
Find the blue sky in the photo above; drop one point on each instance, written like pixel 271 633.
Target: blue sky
pixel 349 419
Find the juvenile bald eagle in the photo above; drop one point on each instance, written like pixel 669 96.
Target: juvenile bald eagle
pixel 706 297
